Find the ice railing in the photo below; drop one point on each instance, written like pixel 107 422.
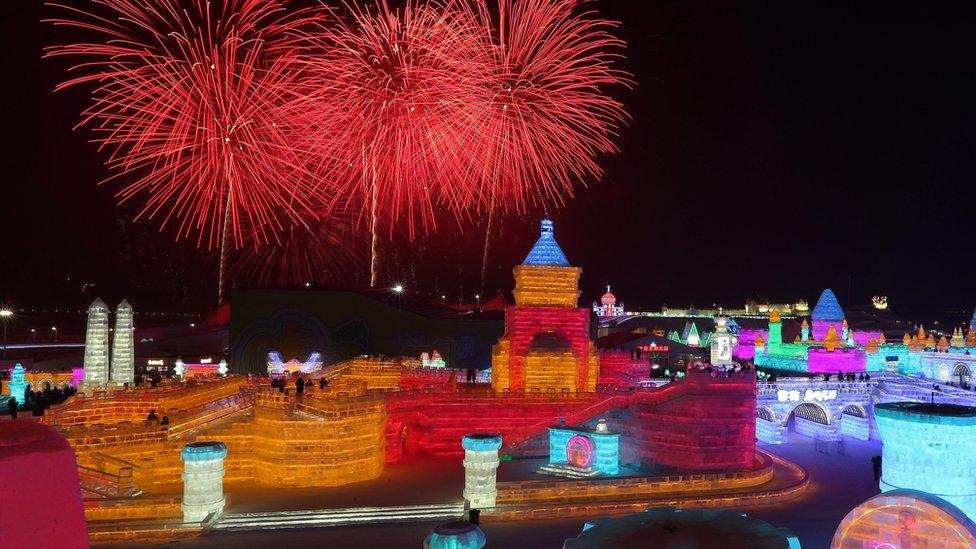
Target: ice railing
pixel 814 383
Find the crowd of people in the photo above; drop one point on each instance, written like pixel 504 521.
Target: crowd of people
pixel 849 376
pixel 38 401
pixel 302 385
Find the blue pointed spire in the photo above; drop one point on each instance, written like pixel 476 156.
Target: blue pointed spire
pixel 546 250
pixel 827 307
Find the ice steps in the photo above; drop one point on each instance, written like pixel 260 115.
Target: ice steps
pixel 324 518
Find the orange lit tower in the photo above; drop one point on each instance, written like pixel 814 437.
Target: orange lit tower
pixel 547 342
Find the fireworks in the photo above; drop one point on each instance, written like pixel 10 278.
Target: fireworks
pixel 401 81
pixel 199 106
pixel 236 120
pixel 404 79
pixel 545 114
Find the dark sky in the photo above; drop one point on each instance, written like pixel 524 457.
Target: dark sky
pixel 776 149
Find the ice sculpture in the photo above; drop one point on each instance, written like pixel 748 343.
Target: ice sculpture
pixel 17 384
pixel 480 467
pixel 96 345
pixel 546 343
pixel 123 358
pixel 276 367
pixel 203 479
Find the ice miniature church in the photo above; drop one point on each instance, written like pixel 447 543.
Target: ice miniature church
pixel 546 344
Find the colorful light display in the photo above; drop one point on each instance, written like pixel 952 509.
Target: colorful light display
pixel 276 367
pixel 96 363
pixel 480 467
pixel 923 444
pixel 203 479
pixel 546 345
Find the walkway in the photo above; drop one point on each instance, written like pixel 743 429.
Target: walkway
pixel 838 483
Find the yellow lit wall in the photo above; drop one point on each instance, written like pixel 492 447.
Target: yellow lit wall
pixel 547 285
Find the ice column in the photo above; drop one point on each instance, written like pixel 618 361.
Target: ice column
pixel 123 360
pixel 203 479
pixel 480 466
pixel 96 345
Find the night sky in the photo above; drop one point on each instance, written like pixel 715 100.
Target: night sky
pixel 776 149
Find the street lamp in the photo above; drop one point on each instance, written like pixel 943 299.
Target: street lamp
pixel 55 330
pixel 5 314
pixel 398 288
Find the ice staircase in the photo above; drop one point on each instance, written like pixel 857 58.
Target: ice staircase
pixel 324 518
pixel 102 476
pixel 207 414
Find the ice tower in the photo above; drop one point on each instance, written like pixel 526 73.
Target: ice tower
pixel 825 314
pixel 123 359
pixel 96 345
pixel 546 343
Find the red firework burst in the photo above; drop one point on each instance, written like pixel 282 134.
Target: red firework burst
pixel 401 82
pixel 199 105
pixel 544 114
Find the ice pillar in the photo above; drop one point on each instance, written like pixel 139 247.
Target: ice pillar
pixel 480 466
pixel 123 359
pixel 203 479
pixel 96 345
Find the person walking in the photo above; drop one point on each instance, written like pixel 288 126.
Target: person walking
pixel 12 407
pixel 876 463
pixel 299 386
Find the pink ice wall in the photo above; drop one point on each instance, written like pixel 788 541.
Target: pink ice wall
pixel 745 349
pixel 39 482
pixel 839 360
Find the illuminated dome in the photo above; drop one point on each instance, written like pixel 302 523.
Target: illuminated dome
pixel 827 307
pixel 608 298
pixel 546 251
pixel 774 316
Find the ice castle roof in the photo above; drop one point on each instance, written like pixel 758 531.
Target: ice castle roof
pixel 827 307
pixel 546 251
